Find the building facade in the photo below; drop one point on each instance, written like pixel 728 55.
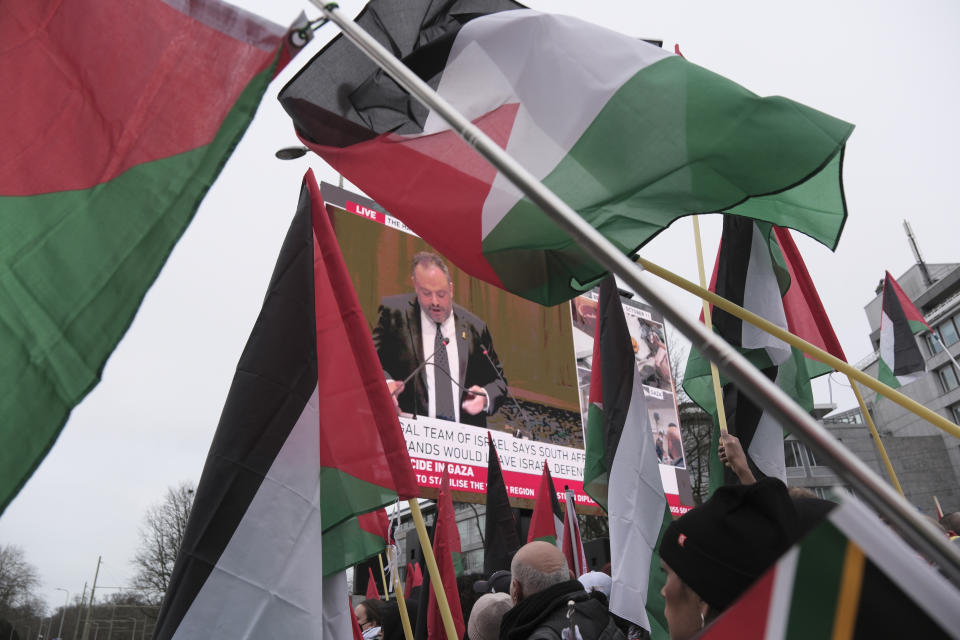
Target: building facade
pixel 925 458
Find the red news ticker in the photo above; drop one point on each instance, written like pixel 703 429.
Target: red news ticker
pixel 365 212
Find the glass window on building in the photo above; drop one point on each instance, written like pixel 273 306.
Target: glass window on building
pixel 948 332
pixel 812 458
pixel 933 344
pixel 791 452
pixel 948 378
pixel 955 413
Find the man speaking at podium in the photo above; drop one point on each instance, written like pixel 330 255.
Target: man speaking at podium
pixel 437 356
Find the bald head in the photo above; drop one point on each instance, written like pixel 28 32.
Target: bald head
pixel 488 611
pixel 536 566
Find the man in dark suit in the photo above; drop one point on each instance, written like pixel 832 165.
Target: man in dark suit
pixel 463 380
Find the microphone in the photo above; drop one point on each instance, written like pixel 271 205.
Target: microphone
pixel 496 369
pixel 446 341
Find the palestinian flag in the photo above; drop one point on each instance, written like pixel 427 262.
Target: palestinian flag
pixel 621 471
pixel 759 268
pixel 901 361
pixel 283 480
pixel 570 542
pixel 446 550
pixel 546 522
pixel 115 117
pixel 851 577
pixel 501 536
pixel 631 136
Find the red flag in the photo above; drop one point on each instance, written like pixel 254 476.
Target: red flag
pixel 357 633
pixel 572 546
pixel 417 575
pixel 372 593
pixel 546 523
pixel 446 549
pixel 408 581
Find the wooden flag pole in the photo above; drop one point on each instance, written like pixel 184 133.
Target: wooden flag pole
pixel 383 578
pixel 714 372
pixel 811 350
pixel 401 600
pixel 432 569
pixel 876 436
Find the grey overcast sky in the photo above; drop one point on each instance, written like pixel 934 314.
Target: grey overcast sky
pixel 891 68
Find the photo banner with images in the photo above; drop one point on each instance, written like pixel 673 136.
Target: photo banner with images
pixel 525 357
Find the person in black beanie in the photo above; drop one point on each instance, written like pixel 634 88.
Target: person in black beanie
pixel 714 552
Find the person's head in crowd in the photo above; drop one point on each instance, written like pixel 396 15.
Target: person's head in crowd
pixel 432 284
pixel 596 581
pixel 498 582
pixel 951 522
pixel 368 617
pixel 390 621
pixel 713 553
pixel 488 611
pixel 466 586
pixel 537 565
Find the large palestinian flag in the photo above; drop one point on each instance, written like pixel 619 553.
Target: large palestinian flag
pixel 115 119
pixel 900 361
pixel 759 268
pixel 284 479
pixel 851 577
pixel 621 471
pixel 631 136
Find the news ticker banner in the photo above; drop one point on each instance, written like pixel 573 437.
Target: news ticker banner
pixel 437 444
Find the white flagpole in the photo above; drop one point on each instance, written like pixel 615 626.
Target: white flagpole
pixel 903 516
pixel 947 351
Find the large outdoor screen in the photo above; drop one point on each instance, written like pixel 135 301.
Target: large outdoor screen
pixel 532 362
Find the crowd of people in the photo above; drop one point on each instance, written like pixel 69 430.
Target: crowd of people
pixel 710 556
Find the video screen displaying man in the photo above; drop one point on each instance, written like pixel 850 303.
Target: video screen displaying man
pixel 438 357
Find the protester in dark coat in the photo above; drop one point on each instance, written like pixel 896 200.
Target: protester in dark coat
pixel 547 601
pixel 713 553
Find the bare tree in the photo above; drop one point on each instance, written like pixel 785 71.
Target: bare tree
pixel 160 537
pixel 18 578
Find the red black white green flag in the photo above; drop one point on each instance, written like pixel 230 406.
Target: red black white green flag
pixel 631 136
pixel 546 523
pixel 759 268
pixel 570 542
pixel 115 119
pixel 850 577
pixel 900 359
pixel 274 519
pixel 621 470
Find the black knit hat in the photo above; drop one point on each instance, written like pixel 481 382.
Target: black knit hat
pixel 721 547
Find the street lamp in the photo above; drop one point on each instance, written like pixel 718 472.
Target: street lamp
pixel 66 599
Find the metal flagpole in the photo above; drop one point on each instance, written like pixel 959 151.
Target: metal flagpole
pixel 947 351
pixel 904 517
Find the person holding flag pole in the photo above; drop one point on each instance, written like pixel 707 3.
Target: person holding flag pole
pixel 900 513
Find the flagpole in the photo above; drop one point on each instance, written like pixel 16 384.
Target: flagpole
pixel 383 578
pixel 432 568
pixel 811 350
pixel 876 436
pixel 708 322
pixel 947 351
pixel 751 380
pixel 401 600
